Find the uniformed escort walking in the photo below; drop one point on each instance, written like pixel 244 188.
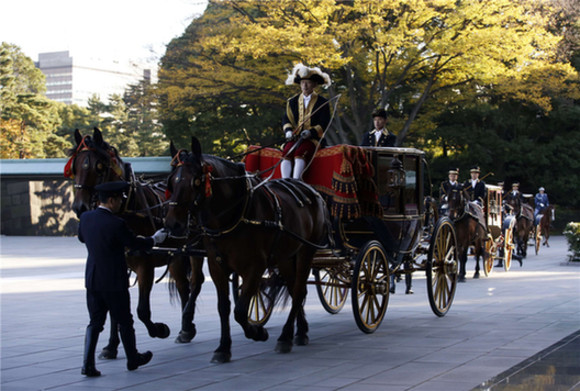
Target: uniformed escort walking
pixel 106 280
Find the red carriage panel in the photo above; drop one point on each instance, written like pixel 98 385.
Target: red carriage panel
pixel 343 175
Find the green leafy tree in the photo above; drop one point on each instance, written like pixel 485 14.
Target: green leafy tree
pixel 141 122
pixel 28 120
pixel 414 57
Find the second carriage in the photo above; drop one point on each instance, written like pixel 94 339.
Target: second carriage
pixel 381 229
pixel 500 225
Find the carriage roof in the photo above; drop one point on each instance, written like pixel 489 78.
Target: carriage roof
pixel 396 150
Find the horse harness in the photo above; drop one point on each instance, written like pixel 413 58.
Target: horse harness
pixel 205 180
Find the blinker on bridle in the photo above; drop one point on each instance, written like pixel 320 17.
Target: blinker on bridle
pixel 196 183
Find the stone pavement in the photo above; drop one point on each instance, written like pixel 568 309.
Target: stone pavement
pixel 495 325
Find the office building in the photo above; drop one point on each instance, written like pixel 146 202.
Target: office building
pixel 74 81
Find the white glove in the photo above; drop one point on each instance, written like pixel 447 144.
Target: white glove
pixel 159 236
pixel 288 135
pixel 305 134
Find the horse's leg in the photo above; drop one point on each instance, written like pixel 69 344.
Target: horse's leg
pixel 219 276
pixel 301 337
pixel 188 331
pixel 252 279
pixel 295 274
pixel 109 352
pixel 145 274
pixel 462 264
pixel 477 256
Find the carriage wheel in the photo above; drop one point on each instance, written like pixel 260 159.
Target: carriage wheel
pixel 508 245
pixel 261 305
pixel 370 287
pixel 442 267
pixel 332 289
pixel 538 236
pixel 490 250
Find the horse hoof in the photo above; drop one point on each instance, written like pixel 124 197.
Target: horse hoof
pixel 221 357
pixel 301 340
pixel 283 347
pixel 461 279
pixel 161 330
pixel 185 336
pixel 260 335
pixel 476 276
pixel 108 354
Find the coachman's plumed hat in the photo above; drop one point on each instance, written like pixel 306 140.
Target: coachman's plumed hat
pixel 112 189
pixel 454 171
pixel 475 169
pixel 302 72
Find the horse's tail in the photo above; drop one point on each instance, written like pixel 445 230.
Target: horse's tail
pixel 172 285
pixel 276 290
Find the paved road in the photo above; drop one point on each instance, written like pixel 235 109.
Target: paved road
pixel 494 324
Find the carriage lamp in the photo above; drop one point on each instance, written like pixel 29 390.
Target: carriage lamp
pixel 396 177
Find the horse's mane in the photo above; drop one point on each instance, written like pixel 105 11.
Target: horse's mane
pixel 224 166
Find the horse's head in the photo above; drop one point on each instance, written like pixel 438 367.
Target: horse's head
pixel 456 204
pixel 514 204
pixel 92 162
pixel 187 185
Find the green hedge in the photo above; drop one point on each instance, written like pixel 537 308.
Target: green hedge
pixel 572 233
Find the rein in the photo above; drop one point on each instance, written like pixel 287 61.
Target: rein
pixel 249 194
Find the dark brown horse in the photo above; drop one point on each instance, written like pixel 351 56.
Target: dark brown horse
pixel 545 223
pixel 469 228
pixel 248 227
pixel 524 224
pixel 93 161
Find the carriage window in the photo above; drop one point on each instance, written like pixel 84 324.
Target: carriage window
pixel 388 198
pixel 410 194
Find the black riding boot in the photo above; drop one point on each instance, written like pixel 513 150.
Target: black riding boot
pixel 91 338
pixel 134 358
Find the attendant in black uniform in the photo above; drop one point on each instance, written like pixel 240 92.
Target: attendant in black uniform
pixel 446 188
pixel 379 136
pixel 476 187
pixel 106 236
pixel 307 116
pixel 515 194
pixel 449 185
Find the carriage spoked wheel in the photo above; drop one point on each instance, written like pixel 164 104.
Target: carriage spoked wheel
pixel 508 245
pixel 261 305
pixel 370 287
pixel 538 237
pixel 442 267
pixel 332 288
pixel 490 250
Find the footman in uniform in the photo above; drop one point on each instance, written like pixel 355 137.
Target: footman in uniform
pixel 106 279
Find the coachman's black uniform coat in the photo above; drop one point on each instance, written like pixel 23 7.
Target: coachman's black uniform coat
pixel 386 140
pixel 314 118
pixel 479 192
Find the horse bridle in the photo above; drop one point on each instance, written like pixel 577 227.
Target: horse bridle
pixel 202 184
pixel 103 172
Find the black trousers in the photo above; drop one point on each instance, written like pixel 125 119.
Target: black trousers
pixel 118 303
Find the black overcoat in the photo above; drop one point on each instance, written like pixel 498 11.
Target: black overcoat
pixel 106 237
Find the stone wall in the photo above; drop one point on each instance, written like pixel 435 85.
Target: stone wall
pixel 37 208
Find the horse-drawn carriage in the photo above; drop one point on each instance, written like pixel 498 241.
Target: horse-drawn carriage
pixel 376 198
pixel 373 222
pixel 500 227
pixel 487 229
